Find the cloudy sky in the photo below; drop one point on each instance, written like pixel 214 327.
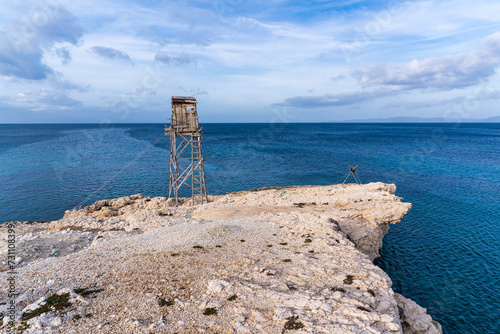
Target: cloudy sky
pixel 248 61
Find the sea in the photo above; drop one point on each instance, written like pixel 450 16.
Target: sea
pixel 444 254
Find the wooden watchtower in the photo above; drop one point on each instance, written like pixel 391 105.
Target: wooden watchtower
pixel 186 157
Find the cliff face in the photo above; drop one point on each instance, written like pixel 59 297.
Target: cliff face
pixel 295 259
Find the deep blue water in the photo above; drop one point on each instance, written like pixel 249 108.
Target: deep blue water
pixel 445 254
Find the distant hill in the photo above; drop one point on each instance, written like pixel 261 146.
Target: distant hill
pixel 403 119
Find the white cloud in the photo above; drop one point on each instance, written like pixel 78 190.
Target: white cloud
pixel 481 95
pixel 446 72
pixel 182 59
pixel 22 44
pixel 339 99
pixel 255 56
pixel 111 53
pixel 64 55
pixel 45 100
pixel 438 73
pixel 339 77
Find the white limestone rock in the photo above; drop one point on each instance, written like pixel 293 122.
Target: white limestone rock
pixel 415 319
pixel 262 259
pixel 45 321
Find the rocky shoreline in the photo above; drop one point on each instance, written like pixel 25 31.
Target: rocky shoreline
pixel 272 260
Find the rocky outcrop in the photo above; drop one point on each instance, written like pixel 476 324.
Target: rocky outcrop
pixel 279 260
pixel 362 212
pixel 119 206
pixel 414 318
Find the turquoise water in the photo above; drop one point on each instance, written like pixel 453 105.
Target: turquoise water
pixel 445 254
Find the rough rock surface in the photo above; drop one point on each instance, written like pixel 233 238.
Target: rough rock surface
pixel 278 260
pixel 414 318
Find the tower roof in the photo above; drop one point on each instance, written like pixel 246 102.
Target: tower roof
pixel 183 99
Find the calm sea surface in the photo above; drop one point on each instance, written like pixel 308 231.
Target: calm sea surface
pixel 445 254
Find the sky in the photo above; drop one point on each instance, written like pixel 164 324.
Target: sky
pixel 108 61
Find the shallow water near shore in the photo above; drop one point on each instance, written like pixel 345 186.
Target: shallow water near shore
pixel 444 254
